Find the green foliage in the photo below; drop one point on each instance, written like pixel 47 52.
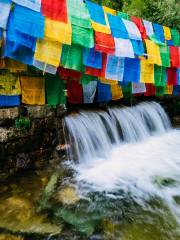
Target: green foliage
pixel 115 4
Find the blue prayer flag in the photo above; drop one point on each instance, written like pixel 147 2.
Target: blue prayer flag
pixel 28 21
pixel 159 32
pixel 18 52
pixel 18 37
pixel 103 92
pixel 96 12
pixel 138 47
pixel 92 58
pixel 118 29
pixel 9 101
pixel 131 70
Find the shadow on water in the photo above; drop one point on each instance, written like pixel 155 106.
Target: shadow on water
pixel 123 184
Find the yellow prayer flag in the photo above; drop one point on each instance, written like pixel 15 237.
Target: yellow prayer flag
pixel 109 10
pixel 101 28
pixel 153 52
pixel 108 81
pixel 58 31
pixel 48 52
pixel 147 72
pixel 33 90
pixel 167 33
pixel 116 92
pixel 169 89
pixel 9 84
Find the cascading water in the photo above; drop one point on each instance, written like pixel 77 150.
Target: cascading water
pixel 133 152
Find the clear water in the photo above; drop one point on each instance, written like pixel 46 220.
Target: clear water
pixel 121 182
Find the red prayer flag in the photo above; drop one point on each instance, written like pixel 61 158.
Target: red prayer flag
pixel 74 92
pixel 55 10
pixel 150 90
pixel 104 43
pixel 139 24
pixel 171 76
pixel 175 56
pixel 69 74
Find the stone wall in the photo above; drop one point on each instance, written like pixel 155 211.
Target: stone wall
pixel 32 145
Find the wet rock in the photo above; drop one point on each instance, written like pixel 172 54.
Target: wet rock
pixel 61 110
pixel 40 111
pixel 68 196
pixel 18 216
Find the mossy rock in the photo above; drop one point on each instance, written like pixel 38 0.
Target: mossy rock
pixel 18 216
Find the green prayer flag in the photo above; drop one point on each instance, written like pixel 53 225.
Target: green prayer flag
pixel 55 90
pixel 78 13
pixel 127 90
pixel 123 15
pixel 72 57
pixel 175 37
pixel 165 55
pixel 160 91
pixel 154 39
pixel 159 76
pixel 83 36
pixel 85 79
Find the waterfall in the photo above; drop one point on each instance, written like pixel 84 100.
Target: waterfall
pixel 93 134
pixel 129 149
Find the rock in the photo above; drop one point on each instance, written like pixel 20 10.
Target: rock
pixel 68 196
pixel 9 237
pixel 9 113
pixel 40 111
pixel 18 216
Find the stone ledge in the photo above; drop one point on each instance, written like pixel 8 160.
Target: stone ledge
pixel 9 113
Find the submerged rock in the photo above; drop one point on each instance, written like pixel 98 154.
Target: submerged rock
pixel 18 216
pixel 68 195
